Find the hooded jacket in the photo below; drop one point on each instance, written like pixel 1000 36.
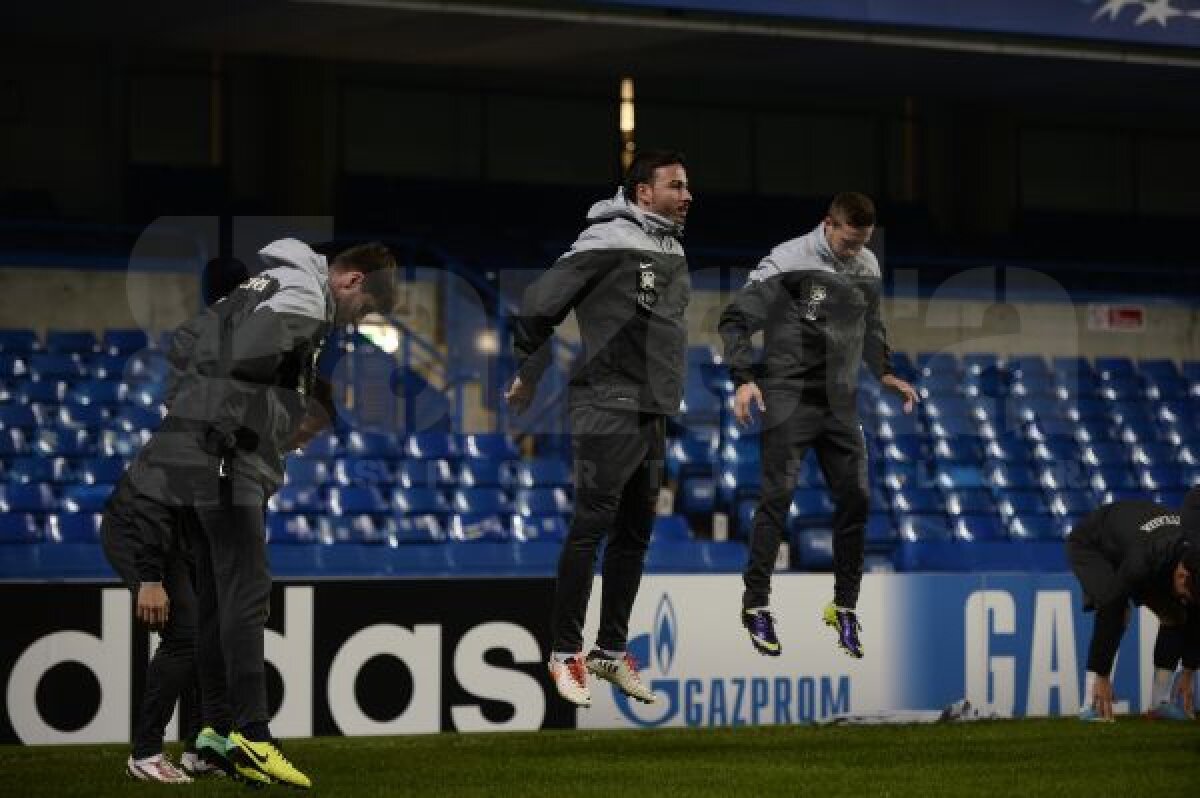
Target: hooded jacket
pixel 820 316
pixel 626 278
pixel 1143 542
pixel 244 370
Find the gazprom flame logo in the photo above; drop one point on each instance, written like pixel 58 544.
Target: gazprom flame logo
pixel 655 652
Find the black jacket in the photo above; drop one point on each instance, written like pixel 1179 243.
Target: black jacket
pixel 626 278
pixel 243 373
pixel 820 318
pixel 1143 542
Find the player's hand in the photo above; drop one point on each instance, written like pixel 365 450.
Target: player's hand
pixel 1102 697
pixel 747 397
pixel 904 389
pixel 153 606
pixel 519 396
pixel 1185 687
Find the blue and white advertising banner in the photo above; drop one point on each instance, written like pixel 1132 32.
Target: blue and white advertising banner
pixel 1150 22
pixel 1013 645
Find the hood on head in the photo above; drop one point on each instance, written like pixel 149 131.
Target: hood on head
pixel 291 253
pixel 620 208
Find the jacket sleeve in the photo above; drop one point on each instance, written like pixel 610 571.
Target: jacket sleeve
pixel 877 354
pixel 546 302
pixel 745 315
pixel 1107 632
pixel 150 556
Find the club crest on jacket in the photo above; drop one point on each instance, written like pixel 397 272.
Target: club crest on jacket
pixel 647 295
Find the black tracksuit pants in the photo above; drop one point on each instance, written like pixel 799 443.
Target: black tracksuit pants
pixel 790 427
pixel 233 587
pixel 618 473
pixel 171 674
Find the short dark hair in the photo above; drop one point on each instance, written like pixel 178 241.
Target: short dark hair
pixel 853 208
pixel 378 263
pixel 643 166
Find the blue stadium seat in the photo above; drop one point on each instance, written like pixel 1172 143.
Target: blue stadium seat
pixel 62 442
pixel 938 363
pixel 431 446
pixel 880 528
pixel 121 443
pixel 324 446
pixel 993 383
pixel 418 473
pixel 361 528
pixel 124 342
pixel 918 528
pixel 291 529
pixel 1113 478
pixel 132 417
pixel 1170 498
pixel 100 470
pixel 810 503
pixel 544 472
pixel 1122 391
pixel 1155 453
pixel 954 427
pixel 481 528
pixel 1073 504
pixel 892 427
pixel 1030 367
pixel 912 449
pixel 1011 476
pixel 1022 503
pixel 86 498
pixel 356 500
pixel 1026 388
pixel 698 495
pixel 12 443
pixel 81 527
pixel 1104 453
pixel 19 528
pixel 55 367
pixel 42 392
pixel 97 393
pixel 146 366
pixel 968 501
pixel 1188 453
pixel 952 477
pixel 1011 446
pixel 1094 430
pixel 1163 386
pixel 972 528
pixel 27 470
pixel 293 499
pixel 70 341
pixel 1057 450
pixel 1176 411
pixel 1126 413
pixel 83 416
pixel 107 368
pixel 958 450
pixel 1168 477
pixel 918 501
pixel 701 406
pixel 18 341
pixel 419 529
pixel 744 450
pixel 906 476
pixel 543 501
pixel 12 367
pixel 485 473
pixel 671 528
pixel 979 362
pixel 17 417
pixel 32 498
pixel 541 528
pixel 812 548
pixel 948 406
pixel 903 365
pixel 145 394
pixel 743 512
pixel 888 405
pixel 1115 368
pixel 372 444
pixel 490 447
pixel 362 471
pixel 420 501
pixel 1037 527
pixel 687 456
pixel 306 471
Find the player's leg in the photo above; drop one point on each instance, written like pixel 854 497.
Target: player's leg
pixel 842 454
pixel 606 449
pixel 1168 651
pixel 788 429
pixel 233 527
pixel 624 560
pixel 121 539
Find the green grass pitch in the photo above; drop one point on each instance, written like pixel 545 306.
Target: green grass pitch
pixel 1057 758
